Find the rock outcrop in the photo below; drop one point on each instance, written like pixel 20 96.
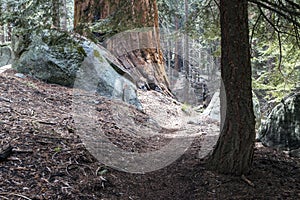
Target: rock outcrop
pixel 6 56
pixel 51 56
pixel 282 127
pixel 213 109
pixel 68 60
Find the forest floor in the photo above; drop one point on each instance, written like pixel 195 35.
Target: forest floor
pixel 49 160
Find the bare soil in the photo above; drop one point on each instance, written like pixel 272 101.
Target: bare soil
pixel 49 159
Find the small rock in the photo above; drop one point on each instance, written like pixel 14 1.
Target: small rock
pixel 295 153
pixel 20 75
pixel 282 127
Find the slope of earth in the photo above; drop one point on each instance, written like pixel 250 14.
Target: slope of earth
pixel 49 159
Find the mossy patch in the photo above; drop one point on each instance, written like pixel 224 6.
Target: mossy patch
pixel 97 55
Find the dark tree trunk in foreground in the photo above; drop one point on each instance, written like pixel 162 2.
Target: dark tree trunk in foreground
pixel 138 50
pixel 233 153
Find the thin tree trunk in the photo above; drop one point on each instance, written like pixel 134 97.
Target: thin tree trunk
pixel 234 150
pixel 64 15
pixel 55 13
pixel 1 25
pixel 176 50
pixel 186 41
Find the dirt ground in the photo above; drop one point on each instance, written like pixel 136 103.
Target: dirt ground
pixel 50 158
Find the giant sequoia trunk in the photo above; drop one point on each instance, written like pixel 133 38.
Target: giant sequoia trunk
pixel 139 49
pixel 234 150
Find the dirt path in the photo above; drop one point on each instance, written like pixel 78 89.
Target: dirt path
pixel 50 160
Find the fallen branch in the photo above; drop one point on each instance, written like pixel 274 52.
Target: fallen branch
pixel 244 178
pixel 13 194
pixel 22 150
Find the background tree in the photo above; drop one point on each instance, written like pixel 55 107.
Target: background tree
pixel 55 13
pixel 190 56
pixel 275 28
pixel 139 52
pixel 1 24
pixel 60 13
pixel 186 40
pixel 234 150
pixel 64 15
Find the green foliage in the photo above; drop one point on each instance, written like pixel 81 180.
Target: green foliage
pixel 32 85
pixel 97 55
pixel 102 172
pixel 57 149
pixel 275 54
pixel 200 24
pixel 27 15
pixel 203 18
pixel 186 108
pixel 275 40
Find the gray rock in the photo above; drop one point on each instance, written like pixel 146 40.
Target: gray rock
pixel 20 75
pixel 6 56
pixel 257 112
pixel 295 153
pixel 282 127
pixel 51 56
pixel 213 109
pixel 97 74
pixel 60 58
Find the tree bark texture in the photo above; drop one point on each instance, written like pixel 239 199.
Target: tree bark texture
pixel 177 66
pixel 233 153
pixel 1 25
pixel 136 36
pixel 64 15
pixel 186 41
pixel 56 13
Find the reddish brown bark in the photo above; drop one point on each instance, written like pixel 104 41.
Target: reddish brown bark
pixel 138 50
pixel 234 150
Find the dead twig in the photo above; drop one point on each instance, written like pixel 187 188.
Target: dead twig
pixel 21 169
pixel 47 123
pixel 80 166
pixel 3 197
pixel 5 99
pixel 60 151
pixel 244 178
pixel 54 137
pixel 22 150
pixel 13 194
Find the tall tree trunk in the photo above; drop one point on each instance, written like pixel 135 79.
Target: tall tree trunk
pixel 234 150
pixel 8 26
pixel 186 41
pixel 177 46
pixel 55 13
pixel 64 15
pixel 139 50
pixel 1 25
